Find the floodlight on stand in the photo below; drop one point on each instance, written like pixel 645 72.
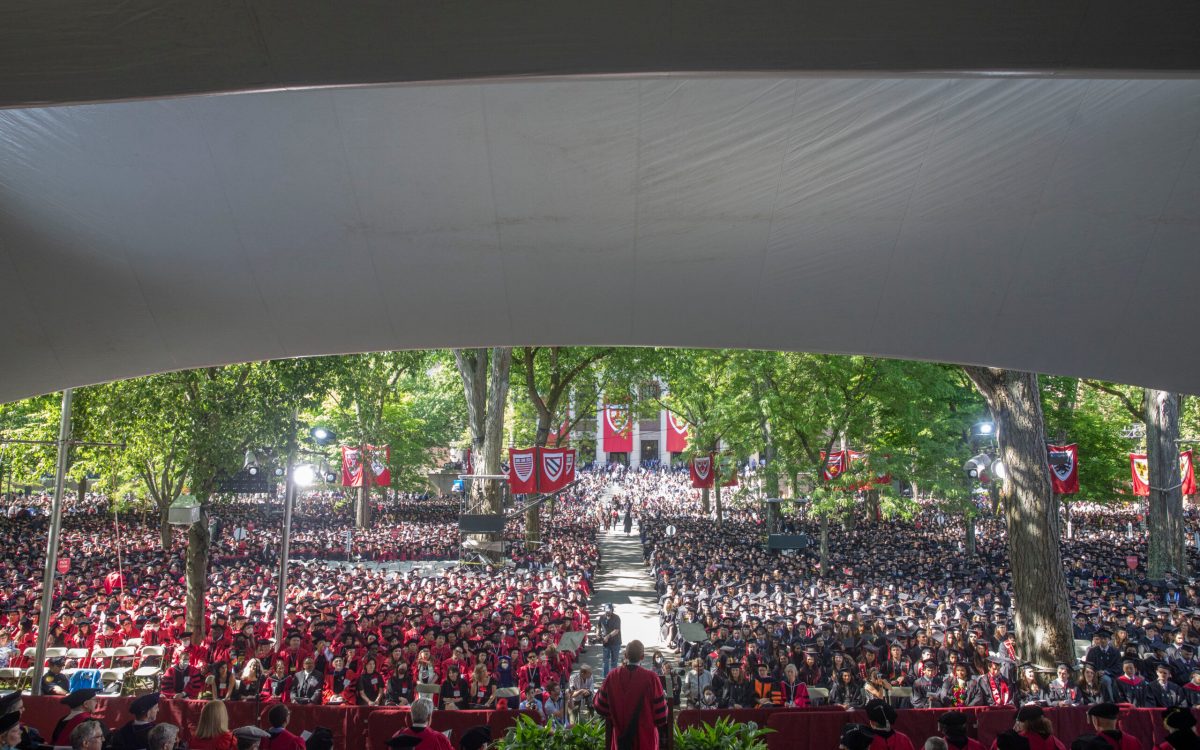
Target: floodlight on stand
pixel 279 471
pixel 252 470
pixel 985 428
pixel 322 435
pixel 329 476
pixel 977 465
pixel 999 470
pixel 303 475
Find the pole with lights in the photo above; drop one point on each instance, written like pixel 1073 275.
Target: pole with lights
pixel 294 476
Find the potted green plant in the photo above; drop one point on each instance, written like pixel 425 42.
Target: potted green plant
pixel 725 734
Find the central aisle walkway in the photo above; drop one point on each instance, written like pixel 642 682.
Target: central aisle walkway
pixel 625 582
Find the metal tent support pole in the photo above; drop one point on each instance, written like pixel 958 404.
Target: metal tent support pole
pixel 64 447
pixel 289 502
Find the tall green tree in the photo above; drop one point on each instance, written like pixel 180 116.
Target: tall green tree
pixel 368 406
pixel 1042 610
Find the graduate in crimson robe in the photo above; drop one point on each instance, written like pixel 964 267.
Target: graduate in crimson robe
pixel 624 689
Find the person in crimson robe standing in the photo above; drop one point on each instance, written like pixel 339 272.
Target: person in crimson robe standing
pixel 632 699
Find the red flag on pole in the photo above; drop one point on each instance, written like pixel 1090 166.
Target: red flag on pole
pixel 522 470
pixel 834 466
pixel 1140 469
pixel 378 458
pixel 1187 473
pixel 677 434
pixel 351 466
pixel 468 467
pixel 556 468
pixel 618 428
pixel 1064 468
pixel 702 471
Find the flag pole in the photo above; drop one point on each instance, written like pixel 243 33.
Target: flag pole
pixel 64 446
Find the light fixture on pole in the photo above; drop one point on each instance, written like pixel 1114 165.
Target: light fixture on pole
pixel 977 466
pixel 294 476
pixel 304 475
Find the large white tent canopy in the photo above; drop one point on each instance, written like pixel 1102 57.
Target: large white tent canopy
pixel 1039 221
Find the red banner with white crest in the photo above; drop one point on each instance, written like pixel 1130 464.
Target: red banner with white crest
pixel 560 437
pixel 376 459
pixel 1187 473
pixel 1064 468
pixel 677 434
pixel 834 465
pixel 556 468
pixel 522 470
pixel 1139 467
pixel 702 471
pixel 618 428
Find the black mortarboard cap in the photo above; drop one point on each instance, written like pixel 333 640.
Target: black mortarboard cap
pixel 77 698
pixel 475 738
pixel 141 706
pixel 1104 711
pixel 1010 740
pixel 856 737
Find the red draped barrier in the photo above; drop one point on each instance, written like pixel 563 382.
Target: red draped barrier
pixel 819 728
pixel 382 723
pixel 816 728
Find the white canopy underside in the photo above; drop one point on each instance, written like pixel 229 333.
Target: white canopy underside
pixel 1042 224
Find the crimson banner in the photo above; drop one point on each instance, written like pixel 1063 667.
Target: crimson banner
pixel 702 471
pixel 1064 468
pixel 556 468
pixel 561 436
pixel 468 462
pixel 677 434
pixel 377 458
pixel 522 470
pixel 853 456
pixel 618 428
pixel 1187 473
pixel 1140 469
pixel 834 466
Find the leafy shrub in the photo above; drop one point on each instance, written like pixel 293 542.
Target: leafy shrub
pixel 725 734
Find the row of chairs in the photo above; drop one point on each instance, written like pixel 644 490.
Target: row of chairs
pixel 125 669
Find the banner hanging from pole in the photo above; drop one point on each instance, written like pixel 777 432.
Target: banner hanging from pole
pixel 834 465
pixel 1064 468
pixel 618 428
pixel 702 471
pixel 556 468
pixel 1187 473
pixel 377 458
pixel 1140 469
pixel 522 470
pixel 677 434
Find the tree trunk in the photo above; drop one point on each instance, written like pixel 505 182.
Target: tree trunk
pixel 533 524
pixel 872 506
pixel 824 544
pixel 704 505
pixel 362 514
pixel 717 500
pixel 164 527
pixel 1166 550
pixel 485 378
pixel 1042 612
pixel 197 572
